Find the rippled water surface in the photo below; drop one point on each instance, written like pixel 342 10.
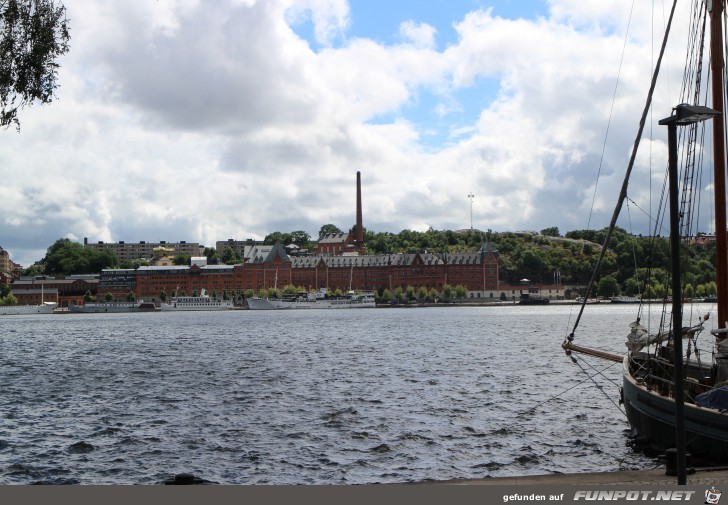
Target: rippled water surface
pixel 308 397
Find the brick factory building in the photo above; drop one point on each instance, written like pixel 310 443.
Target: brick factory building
pixel 477 271
pixel 339 263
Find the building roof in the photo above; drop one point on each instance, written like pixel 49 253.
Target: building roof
pixel 184 268
pixel 48 291
pixel 471 258
pixel 256 253
pixel 333 238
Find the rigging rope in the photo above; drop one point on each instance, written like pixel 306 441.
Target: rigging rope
pixel 599 387
pixel 589 377
pixel 609 119
pixel 623 191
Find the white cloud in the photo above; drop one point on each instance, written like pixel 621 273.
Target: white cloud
pixel 419 34
pixel 203 121
pixel 330 18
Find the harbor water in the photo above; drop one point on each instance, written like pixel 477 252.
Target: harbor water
pixel 310 397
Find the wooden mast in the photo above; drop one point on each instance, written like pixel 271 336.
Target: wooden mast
pixel 719 167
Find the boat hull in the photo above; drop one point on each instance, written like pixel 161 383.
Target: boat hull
pixel 102 308
pixel 268 304
pixel 652 421
pixel 207 306
pixel 19 310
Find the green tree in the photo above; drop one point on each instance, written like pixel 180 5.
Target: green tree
pixel 109 297
pixel 230 256
pixel 33 270
pixel 211 254
pixel 711 288
pixel 328 228
pixel 398 294
pixel 632 287
pixel 447 291
pixel 410 293
pixel 551 232
pixel 422 294
pixel 9 299
pixel 33 34
pixel 69 258
pixel 182 259
pixel 301 239
pixel 460 291
pixel 88 297
pixel 276 236
pixel 131 296
pixel 608 286
pixel 289 289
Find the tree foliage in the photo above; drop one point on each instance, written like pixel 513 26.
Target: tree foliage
pixel 299 237
pixel 211 254
pixel 230 256
pixel 33 34
pixel 181 259
pixel 543 259
pixel 9 299
pixel 71 258
pixel 328 228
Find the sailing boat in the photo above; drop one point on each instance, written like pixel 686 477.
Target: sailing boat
pixel 673 401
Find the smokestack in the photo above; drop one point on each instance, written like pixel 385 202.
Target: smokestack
pixel 359 226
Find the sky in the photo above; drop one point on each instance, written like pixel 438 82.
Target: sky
pixel 203 121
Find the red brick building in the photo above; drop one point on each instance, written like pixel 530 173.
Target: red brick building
pixel 65 292
pixel 477 271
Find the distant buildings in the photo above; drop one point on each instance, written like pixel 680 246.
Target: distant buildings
pixel 337 262
pixel 271 266
pixel 5 263
pixel 134 251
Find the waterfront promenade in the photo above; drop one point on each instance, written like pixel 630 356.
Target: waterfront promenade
pixel 656 476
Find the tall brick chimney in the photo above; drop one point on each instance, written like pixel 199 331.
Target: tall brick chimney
pixel 359 225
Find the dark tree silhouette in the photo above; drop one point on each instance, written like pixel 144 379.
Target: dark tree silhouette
pixel 33 34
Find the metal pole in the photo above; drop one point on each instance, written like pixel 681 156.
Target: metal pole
pixel 676 305
pixel 719 185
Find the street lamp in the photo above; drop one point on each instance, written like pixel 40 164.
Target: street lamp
pixel 683 115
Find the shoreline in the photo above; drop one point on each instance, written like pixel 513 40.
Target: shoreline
pixel 655 476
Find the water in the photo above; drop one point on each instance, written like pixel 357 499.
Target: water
pixel 308 397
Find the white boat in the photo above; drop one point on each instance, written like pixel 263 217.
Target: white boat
pixel 202 302
pixel 103 307
pixel 17 310
pixel 625 299
pixel 314 300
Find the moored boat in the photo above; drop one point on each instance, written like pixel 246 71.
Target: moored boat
pixel 674 396
pixel 529 299
pixel 314 300
pixel 202 302
pixel 625 299
pixel 17 310
pixel 105 307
